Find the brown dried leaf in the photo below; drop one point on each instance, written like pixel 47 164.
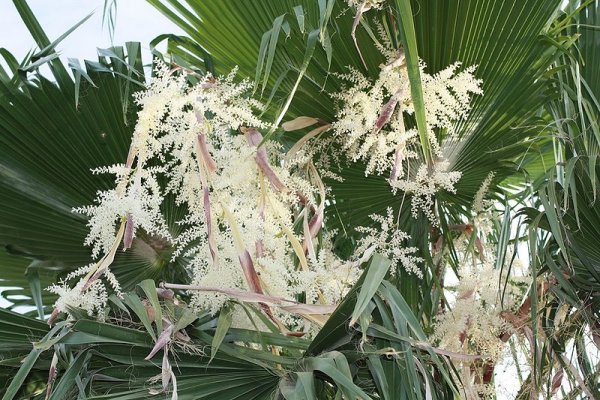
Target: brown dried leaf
pixel 298 123
pixel 161 342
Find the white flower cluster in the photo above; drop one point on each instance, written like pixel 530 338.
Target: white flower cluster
pixel 92 300
pixel 483 209
pixel 474 322
pixel 425 184
pixel 328 276
pixel 387 239
pixel 139 201
pixel 473 325
pixel 368 4
pixel 363 105
pixel 242 206
pixel 447 95
pixel 250 215
pixel 370 122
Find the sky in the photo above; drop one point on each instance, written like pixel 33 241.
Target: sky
pixel 136 21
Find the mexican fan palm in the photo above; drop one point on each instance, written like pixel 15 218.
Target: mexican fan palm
pixel 307 200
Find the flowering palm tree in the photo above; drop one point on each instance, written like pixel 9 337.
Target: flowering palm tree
pixel 307 200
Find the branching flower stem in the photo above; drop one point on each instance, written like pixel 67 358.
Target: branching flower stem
pixel 105 261
pixel 305 310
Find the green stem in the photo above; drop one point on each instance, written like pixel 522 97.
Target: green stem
pixel 409 43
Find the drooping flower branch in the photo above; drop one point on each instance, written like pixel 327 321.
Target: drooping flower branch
pixel 242 201
pixel 253 214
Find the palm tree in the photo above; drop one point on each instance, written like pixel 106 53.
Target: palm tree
pixel 534 133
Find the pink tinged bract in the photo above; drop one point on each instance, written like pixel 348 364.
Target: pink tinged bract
pixel 254 138
pixel 398 158
pixel 207 160
pixel 161 341
pixel 212 244
pixel 250 272
pixel 386 114
pixel 129 231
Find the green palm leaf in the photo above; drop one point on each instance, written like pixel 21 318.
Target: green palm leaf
pixel 51 135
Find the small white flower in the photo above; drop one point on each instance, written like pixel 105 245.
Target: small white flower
pixel 141 200
pixel 92 301
pixel 389 240
pixel 425 183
